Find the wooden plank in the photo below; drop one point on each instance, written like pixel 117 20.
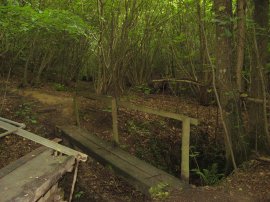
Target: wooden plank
pixel 32 180
pixel 7 133
pixel 115 122
pixel 140 174
pixel 12 122
pixel 45 142
pixel 185 150
pixel 14 165
pixel 157 112
pixel 19 162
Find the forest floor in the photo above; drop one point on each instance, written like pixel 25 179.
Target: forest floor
pixel 148 137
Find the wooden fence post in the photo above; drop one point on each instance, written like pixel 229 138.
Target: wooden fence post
pixel 115 122
pixel 76 110
pixel 185 149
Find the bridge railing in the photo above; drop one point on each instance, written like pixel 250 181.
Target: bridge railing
pixel 186 124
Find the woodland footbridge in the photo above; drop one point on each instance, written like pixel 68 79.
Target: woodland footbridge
pixel 140 174
pixel 137 172
pixel 35 176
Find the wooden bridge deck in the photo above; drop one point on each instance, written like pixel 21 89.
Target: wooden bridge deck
pixel 140 174
pixel 32 176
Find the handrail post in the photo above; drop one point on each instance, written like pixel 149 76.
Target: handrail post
pixel 185 150
pixel 115 122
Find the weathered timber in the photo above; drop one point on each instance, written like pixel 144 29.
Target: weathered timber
pixel 157 112
pixel 7 133
pixel 115 121
pixel 14 165
pixel 125 104
pixel 138 173
pixel 19 162
pixel 30 181
pixel 21 125
pixel 185 150
pixel 178 81
pixel 47 110
pixel 43 141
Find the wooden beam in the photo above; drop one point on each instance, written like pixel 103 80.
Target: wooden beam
pixel 16 164
pixel 158 112
pixel 115 122
pixel 32 180
pixel 8 133
pixel 185 150
pixel 19 162
pixel 178 81
pixel 43 141
pixel 108 101
pixel 21 125
pixel 255 100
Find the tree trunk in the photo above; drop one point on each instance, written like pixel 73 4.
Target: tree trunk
pixel 241 5
pixel 204 96
pixel 259 136
pixel 203 57
pixel 228 95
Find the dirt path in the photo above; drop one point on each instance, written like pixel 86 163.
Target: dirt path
pixel 62 100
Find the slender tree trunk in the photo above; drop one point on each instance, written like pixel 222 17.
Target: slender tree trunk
pixel 100 81
pixel 26 67
pixel 226 82
pixel 45 61
pixel 203 56
pixel 241 23
pixel 204 98
pixel 259 136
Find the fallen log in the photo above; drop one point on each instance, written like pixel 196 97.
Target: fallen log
pixel 46 110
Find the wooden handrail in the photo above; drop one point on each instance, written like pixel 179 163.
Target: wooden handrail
pixel 157 112
pixel 129 105
pixel 186 122
pixel 43 141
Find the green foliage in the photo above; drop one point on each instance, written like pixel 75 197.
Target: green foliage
pixel 49 21
pixel 139 129
pixel 25 111
pixel 79 194
pixel 144 89
pixel 59 87
pixel 62 21
pixel 210 176
pixel 159 191
pixel 108 109
pixel 18 20
pixel 44 38
pixel 193 154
